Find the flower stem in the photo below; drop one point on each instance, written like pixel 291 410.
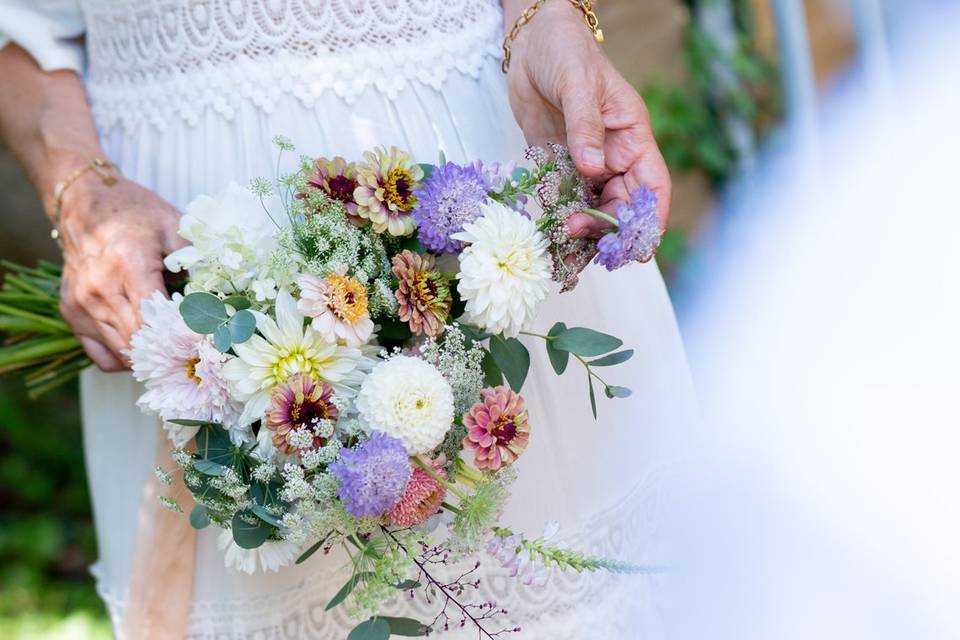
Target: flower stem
pixel 436 476
pixel 603 216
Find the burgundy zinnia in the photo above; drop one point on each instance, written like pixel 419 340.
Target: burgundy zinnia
pixel 337 178
pixel 300 402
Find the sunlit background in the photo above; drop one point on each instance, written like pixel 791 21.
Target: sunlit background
pixel 719 77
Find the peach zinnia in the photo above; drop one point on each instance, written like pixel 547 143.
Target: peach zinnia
pixel 339 307
pixel 423 293
pixel 497 429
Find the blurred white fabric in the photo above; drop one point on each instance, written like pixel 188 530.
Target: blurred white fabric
pixel 822 501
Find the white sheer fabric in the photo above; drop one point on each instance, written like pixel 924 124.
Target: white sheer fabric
pixel 600 480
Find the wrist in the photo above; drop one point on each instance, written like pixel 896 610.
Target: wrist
pixel 571 24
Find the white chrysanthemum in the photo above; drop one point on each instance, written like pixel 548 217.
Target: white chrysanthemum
pixel 232 238
pixel 287 347
pixel 505 270
pixel 182 371
pixel 409 399
pixel 270 556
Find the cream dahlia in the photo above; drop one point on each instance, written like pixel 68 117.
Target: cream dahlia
pixel 407 398
pixel 384 195
pixel 182 371
pixel 497 429
pixel 505 270
pixel 338 306
pixel 423 293
pixel 287 348
pixel 421 499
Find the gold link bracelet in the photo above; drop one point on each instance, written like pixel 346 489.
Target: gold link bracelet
pixel 99 167
pixel 585 7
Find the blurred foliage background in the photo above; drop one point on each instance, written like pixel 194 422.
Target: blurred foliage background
pixel 699 93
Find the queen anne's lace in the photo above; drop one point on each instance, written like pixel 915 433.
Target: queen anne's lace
pixel 151 60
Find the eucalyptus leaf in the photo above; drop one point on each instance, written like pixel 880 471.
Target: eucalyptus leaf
pixel 520 173
pixel 593 396
pixel 407 627
pixel 512 358
pixel 203 312
pixel 372 629
pixel 237 302
pixel 492 376
pixel 613 391
pixel 241 326
pixel 347 589
pixel 473 333
pixel 267 494
pixel 249 535
pixel 221 339
pixel 193 423
pixel 393 329
pixel 199 518
pixel 262 513
pixel 407 584
pixel 586 342
pixel 428 170
pixel 558 359
pixel 213 443
pixel 209 467
pixel 612 359
pixel 316 546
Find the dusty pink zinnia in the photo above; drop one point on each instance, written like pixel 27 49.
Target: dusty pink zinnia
pixel 422 498
pixel 497 429
pixel 300 402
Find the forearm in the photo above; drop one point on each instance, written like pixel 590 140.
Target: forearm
pixel 45 120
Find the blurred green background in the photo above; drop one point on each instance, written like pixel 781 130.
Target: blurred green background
pixel 709 105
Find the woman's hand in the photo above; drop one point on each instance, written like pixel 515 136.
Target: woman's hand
pixel 563 88
pixel 114 242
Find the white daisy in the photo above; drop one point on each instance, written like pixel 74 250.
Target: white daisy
pixel 409 399
pixel 182 371
pixel 505 270
pixel 285 348
pixel 270 556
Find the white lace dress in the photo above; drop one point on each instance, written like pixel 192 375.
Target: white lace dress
pixel 187 95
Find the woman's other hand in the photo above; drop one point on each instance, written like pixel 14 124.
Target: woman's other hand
pixel 114 241
pixel 563 88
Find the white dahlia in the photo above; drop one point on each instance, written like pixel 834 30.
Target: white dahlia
pixel 504 271
pixel 409 399
pixel 286 348
pixel 182 371
pixel 270 556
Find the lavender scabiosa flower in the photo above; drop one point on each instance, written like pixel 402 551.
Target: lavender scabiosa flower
pixel 638 234
pixel 373 476
pixel 448 200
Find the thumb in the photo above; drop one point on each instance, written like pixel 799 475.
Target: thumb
pixel 585 129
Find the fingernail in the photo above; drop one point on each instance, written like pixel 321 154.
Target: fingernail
pixel 593 157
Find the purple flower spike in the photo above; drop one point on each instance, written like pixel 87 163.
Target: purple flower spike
pixel 637 237
pixel 373 476
pixel 448 200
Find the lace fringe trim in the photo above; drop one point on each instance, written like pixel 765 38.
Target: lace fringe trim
pixel 264 82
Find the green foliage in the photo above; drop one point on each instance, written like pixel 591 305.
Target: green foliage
pixel 205 313
pixel 512 358
pixel 372 629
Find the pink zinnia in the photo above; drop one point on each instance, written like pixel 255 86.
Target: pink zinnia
pixel 422 498
pixel 497 429
pixel 300 402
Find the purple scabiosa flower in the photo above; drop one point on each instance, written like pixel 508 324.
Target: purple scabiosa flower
pixel 637 237
pixel 373 476
pixel 450 199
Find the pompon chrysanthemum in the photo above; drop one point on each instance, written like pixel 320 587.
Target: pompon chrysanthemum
pixel 449 199
pixel 336 178
pixel 409 399
pixel 422 498
pixel 338 305
pixel 300 403
pixel 182 371
pixel 497 429
pixel 423 293
pixel 384 195
pixel 505 271
pixel 637 237
pixel 373 476
pixel 270 556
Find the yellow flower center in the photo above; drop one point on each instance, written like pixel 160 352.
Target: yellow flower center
pixel 516 262
pixel 398 189
pixel 191 368
pixel 346 298
pixel 290 363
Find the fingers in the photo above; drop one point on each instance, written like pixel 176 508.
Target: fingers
pixel 101 355
pixel 586 132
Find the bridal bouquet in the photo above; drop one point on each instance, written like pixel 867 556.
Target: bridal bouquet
pixel 341 364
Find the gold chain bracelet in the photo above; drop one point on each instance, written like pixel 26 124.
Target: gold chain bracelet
pixel 99 167
pixel 585 6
